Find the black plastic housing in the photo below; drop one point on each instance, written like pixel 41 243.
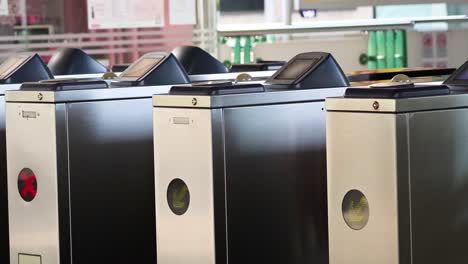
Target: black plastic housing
pixel 397 92
pixel 65 85
pixel 70 61
pixel 324 72
pixel 260 66
pixel 215 89
pixel 168 71
pixel 459 79
pixel 33 70
pixel 197 61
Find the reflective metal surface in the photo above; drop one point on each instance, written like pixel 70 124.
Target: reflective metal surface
pixel 111 170
pixel 230 76
pixel 184 151
pixel 398 106
pixel 412 168
pixel 255 164
pixel 34 226
pixel 234 100
pixel 361 155
pixel 275 167
pixel 439 185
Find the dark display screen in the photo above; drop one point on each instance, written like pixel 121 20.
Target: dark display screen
pixel 463 75
pixel 141 67
pixel 296 68
pixel 10 65
pixel 241 5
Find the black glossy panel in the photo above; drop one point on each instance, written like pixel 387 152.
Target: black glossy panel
pixel 64 85
pixel 459 77
pixel 69 61
pixel 439 193
pixel 215 89
pixel 4 233
pixel 112 182
pixel 32 71
pixel 63 181
pixel 276 184
pixel 197 61
pixel 261 66
pixel 397 91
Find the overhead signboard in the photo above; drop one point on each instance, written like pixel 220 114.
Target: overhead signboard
pixel 347 4
pixel 108 14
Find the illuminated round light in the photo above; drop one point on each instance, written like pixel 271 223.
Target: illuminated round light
pixel 27 184
pixel 178 197
pixel 355 209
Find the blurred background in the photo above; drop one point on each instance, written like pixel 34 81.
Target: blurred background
pixel 362 34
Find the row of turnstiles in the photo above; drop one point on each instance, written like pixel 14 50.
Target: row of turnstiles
pixel 287 166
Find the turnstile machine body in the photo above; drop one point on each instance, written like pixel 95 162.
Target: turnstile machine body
pixel 241 170
pixel 81 166
pixel 13 71
pixel 397 176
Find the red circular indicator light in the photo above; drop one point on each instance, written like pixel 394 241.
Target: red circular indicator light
pixel 27 184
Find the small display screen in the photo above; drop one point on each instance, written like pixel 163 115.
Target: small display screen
pixel 463 75
pixel 141 67
pixel 10 65
pixel 296 68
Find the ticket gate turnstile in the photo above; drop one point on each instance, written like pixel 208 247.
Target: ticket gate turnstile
pixel 65 137
pixel 233 168
pixel 397 174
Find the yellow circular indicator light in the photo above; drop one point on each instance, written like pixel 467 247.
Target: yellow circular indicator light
pixel 355 209
pixel 178 197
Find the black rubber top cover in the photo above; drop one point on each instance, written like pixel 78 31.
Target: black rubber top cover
pixel 260 66
pixel 397 92
pixel 64 85
pixel 217 89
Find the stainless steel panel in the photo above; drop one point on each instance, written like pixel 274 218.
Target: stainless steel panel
pixel 30 96
pixel 361 155
pixel 398 105
pixel 246 99
pixel 184 152
pixel 31 143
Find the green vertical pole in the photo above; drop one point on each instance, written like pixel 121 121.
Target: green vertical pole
pixel 400 49
pixel 390 48
pixel 237 51
pixel 247 49
pixel 381 52
pixel 372 51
